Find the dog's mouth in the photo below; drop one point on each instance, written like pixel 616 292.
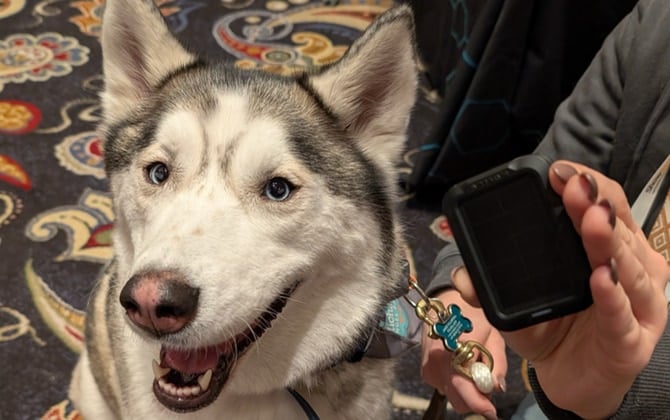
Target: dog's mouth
pixel 188 380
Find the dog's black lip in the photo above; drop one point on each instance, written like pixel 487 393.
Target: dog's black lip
pixel 221 373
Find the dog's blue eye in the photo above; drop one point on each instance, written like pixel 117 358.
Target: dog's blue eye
pixel 278 189
pixel 157 173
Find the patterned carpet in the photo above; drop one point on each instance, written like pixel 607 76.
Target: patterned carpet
pixel 55 212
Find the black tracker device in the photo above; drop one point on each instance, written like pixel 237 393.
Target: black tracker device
pixel 526 261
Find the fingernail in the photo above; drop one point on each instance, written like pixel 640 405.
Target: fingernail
pixel 613 273
pixel 490 415
pixel 564 172
pixel 591 185
pixel 502 384
pixel 609 206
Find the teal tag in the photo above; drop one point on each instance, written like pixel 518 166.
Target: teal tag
pixel 452 328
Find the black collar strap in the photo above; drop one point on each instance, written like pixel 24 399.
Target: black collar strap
pixel 309 411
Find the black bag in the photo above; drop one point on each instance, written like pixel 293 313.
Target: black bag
pixel 502 68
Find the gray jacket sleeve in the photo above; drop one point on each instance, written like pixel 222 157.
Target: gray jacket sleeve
pixel 584 125
pixel 445 262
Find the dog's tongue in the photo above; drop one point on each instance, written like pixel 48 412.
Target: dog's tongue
pixel 191 361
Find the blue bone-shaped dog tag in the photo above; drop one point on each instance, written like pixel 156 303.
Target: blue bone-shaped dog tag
pixel 452 328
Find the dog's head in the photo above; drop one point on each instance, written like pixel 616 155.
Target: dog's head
pixel 253 212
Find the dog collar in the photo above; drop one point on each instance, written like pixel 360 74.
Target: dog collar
pixel 309 411
pixel 394 331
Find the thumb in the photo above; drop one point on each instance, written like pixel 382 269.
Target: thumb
pixel 460 278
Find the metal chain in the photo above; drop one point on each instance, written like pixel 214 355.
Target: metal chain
pixel 470 358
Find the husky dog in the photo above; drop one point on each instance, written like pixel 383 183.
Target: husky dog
pixel 256 239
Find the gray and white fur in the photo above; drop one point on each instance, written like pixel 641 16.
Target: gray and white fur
pixel 255 232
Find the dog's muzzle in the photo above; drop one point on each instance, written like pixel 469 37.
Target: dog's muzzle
pixel 188 379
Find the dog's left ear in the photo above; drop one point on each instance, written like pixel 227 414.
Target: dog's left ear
pixel 372 89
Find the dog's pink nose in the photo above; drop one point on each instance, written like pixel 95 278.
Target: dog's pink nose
pixel 159 302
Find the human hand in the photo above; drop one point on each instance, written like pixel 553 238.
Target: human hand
pixel 586 362
pixel 436 367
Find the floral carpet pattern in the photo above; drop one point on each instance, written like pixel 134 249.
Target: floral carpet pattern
pixel 55 212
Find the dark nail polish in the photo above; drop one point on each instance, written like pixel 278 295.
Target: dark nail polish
pixel 613 273
pixel 607 204
pixel 564 172
pixel 591 185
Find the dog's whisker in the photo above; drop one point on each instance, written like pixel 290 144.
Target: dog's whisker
pixel 295 301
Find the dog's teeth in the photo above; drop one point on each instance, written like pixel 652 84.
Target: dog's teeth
pixel 205 379
pixel 159 372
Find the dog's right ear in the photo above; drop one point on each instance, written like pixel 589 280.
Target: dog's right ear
pixel 138 52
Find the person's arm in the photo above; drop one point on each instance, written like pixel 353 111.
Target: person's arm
pixel 646 399
pixel 584 130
